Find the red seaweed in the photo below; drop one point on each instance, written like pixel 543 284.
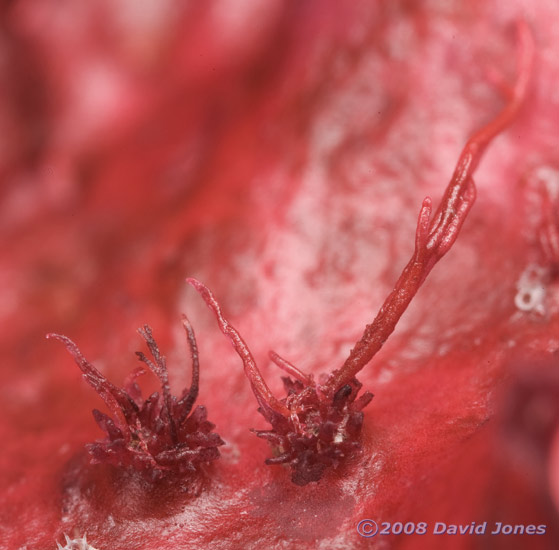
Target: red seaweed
pixel 159 435
pixel 316 426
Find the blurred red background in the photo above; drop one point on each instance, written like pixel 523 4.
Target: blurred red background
pixel 278 151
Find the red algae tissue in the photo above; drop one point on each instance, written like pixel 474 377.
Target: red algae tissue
pixel 356 204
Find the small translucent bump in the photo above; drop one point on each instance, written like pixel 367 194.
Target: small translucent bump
pixel 530 299
pixel 531 290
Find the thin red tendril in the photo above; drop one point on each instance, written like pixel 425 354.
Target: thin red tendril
pixel 264 396
pixel 436 235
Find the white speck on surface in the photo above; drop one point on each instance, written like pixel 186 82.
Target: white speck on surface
pixel 75 544
pixel 531 290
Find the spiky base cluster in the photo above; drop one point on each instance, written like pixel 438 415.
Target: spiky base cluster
pixel 321 430
pixel 155 436
pixel 149 447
